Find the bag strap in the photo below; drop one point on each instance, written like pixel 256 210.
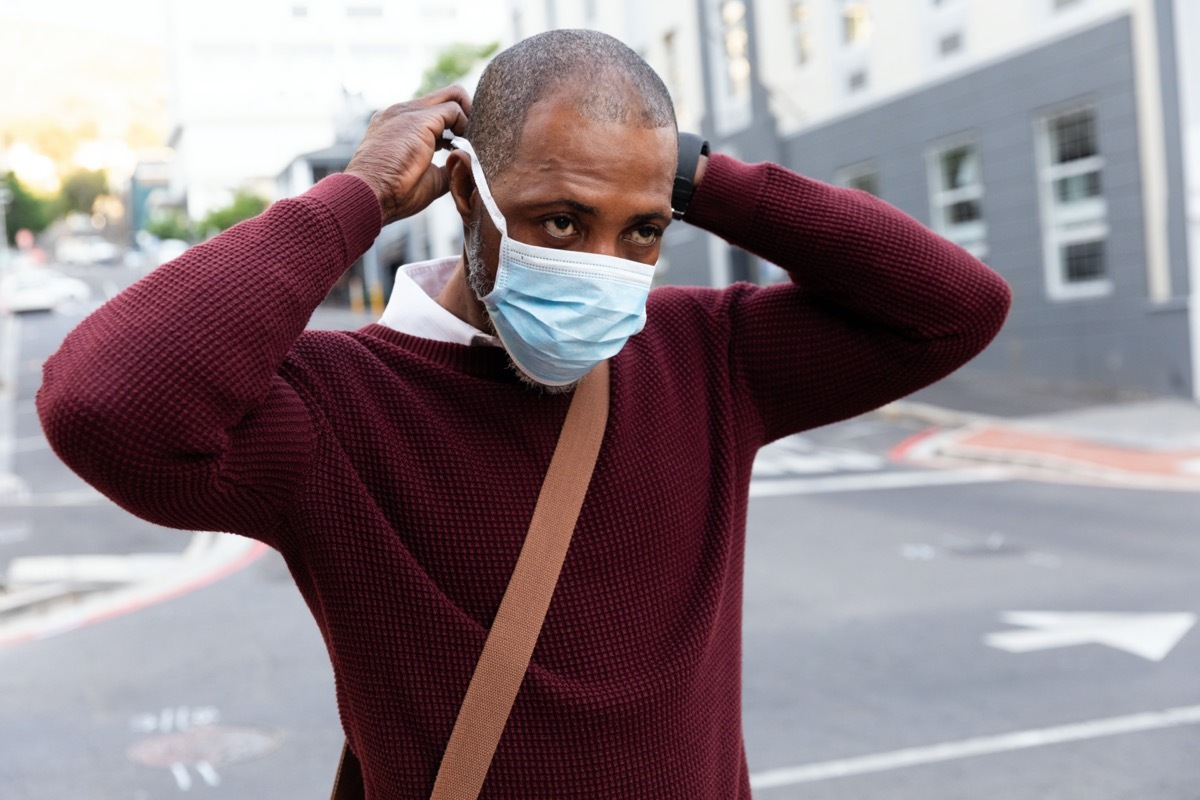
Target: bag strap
pixel 510 642
pixel 348 783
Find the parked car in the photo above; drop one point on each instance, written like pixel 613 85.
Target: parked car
pixel 40 289
pixel 85 249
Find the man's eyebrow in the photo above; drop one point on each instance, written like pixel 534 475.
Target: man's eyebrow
pixel 592 211
pixel 649 216
pixel 582 208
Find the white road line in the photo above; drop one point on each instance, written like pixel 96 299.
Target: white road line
pixel 81 497
pixel 968 748
pixel 207 772
pixel 881 480
pixel 181 776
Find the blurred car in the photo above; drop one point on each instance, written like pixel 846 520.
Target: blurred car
pixel 85 249
pixel 169 250
pixel 40 289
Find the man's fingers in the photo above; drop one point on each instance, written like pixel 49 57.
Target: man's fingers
pixel 453 117
pixel 449 94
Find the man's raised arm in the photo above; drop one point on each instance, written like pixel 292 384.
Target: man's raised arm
pixel 878 305
pixel 169 399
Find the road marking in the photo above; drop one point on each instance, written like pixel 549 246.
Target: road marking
pixel 882 480
pixel 206 771
pixel 982 746
pixel 797 455
pixel 182 778
pixel 20 497
pixel 1151 636
pixel 168 719
pixel 212 557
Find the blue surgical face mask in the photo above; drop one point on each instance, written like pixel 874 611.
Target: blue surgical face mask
pixel 560 312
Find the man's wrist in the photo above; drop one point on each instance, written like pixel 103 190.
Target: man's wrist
pixel 375 189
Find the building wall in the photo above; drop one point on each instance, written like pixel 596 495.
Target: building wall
pixel 901 49
pixel 1187 211
pixel 1120 340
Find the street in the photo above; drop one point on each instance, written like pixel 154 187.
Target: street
pixel 909 632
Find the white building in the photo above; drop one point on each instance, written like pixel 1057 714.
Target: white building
pixel 254 84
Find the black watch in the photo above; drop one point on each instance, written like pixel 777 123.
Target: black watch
pixel 691 147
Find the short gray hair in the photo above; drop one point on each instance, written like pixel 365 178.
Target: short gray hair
pixel 614 85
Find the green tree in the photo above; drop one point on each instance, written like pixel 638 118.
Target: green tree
pixel 25 209
pixel 81 188
pixel 244 206
pixel 452 63
pixel 170 224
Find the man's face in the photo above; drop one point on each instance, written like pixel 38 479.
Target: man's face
pixel 580 185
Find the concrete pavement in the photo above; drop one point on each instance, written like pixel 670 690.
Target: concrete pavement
pixel 1130 441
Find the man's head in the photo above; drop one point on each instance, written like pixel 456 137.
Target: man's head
pixel 577 140
pixel 607 81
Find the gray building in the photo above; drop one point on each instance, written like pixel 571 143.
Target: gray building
pixel 1059 161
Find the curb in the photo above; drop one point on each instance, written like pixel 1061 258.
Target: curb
pixel 208 558
pixel 934 415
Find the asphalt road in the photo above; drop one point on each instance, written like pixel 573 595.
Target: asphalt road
pixel 871 669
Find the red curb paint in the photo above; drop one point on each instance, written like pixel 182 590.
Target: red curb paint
pixel 900 452
pixel 252 554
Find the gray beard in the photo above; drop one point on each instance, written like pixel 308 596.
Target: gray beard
pixel 478 281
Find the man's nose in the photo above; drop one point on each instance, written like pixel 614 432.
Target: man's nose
pixel 606 246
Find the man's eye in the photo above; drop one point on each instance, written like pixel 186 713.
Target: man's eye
pixel 561 226
pixel 645 235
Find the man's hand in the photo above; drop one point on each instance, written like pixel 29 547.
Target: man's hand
pixel 395 157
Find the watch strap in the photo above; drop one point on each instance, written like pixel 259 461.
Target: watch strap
pixel 691 147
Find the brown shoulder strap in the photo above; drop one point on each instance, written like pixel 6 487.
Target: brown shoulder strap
pixel 348 783
pixel 514 632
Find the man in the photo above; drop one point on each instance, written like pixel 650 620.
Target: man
pixel 396 467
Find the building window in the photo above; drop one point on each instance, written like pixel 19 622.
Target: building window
pixel 856 22
pixel 299 11
pixel 956 196
pixel 856 81
pixel 864 177
pixel 673 74
pixel 364 12
pixel 1060 5
pixel 736 39
pixel 801 22
pixel 1074 211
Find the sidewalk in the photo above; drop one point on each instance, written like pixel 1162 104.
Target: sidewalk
pixel 1105 439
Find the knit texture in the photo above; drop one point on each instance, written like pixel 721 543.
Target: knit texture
pixel 397 475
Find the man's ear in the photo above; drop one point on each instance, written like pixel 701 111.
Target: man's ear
pixel 462 184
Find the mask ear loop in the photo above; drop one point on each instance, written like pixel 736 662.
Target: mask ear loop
pixel 489 202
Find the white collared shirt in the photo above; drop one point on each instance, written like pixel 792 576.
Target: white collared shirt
pixel 412 308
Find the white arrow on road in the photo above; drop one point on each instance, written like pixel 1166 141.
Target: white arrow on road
pixel 1151 636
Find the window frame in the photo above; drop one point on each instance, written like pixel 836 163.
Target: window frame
pixel 844 175
pixel 971 236
pixel 1073 223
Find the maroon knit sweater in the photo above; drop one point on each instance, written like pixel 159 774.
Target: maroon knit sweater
pixel 397 475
